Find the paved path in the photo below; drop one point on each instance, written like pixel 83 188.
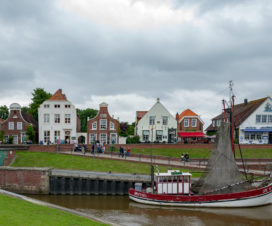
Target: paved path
pixel 173 162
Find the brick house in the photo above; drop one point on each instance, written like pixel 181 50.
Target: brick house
pixel 103 127
pixel 16 124
pixel 190 127
pixel 253 121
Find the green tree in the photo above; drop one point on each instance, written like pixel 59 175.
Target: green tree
pixel 133 140
pixel 25 109
pixel 2 135
pixel 125 129
pixel 4 112
pixel 83 115
pixel 10 140
pixel 30 133
pixel 38 97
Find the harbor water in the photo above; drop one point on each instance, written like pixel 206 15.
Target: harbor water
pixel 123 211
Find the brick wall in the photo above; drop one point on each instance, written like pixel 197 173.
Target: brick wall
pixel 25 180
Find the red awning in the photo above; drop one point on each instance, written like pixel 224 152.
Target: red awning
pixel 191 134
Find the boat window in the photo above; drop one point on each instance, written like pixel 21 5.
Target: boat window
pixel 160 179
pixel 186 179
pixel 164 179
pixel 180 178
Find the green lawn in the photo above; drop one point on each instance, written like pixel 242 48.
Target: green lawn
pixel 60 161
pixel 204 153
pixel 15 212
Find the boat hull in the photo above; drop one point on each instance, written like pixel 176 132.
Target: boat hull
pixel 256 197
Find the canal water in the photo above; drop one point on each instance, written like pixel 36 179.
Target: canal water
pixel 121 210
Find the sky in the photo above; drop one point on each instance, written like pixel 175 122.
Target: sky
pixel 128 53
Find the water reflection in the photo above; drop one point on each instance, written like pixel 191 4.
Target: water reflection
pixel 120 209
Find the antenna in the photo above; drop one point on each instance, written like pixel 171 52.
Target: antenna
pixel 230 92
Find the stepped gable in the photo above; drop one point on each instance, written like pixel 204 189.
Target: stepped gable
pixel 241 112
pixel 58 96
pixel 140 115
pixel 187 112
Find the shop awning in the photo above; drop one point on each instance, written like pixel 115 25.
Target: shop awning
pixel 191 134
pixel 264 129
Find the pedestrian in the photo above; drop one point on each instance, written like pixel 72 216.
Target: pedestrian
pixel 182 157
pixel 103 149
pixel 128 152
pixel 125 153
pixel 92 148
pixel 120 151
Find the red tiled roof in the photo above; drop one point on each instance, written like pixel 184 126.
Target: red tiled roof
pixel 187 112
pixel 58 96
pixel 140 114
pixel 241 112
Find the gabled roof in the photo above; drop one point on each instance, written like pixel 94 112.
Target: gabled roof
pixel 58 96
pixel 187 112
pixel 139 115
pixel 241 112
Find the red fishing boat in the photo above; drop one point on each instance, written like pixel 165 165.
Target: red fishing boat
pixel 221 184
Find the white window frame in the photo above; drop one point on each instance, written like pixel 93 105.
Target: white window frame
pixel 11 125
pixel 269 118
pixel 218 122
pixel 101 140
pixel 23 137
pixel 103 126
pixel 92 137
pixel 151 120
pixel 94 126
pixel 46 106
pixel 46 136
pixel 67 119
pixel 46 118
pixel 56 136
pixel 115 138
pixel 57 105
pixel 111 126
pixel 264 118
pixel 165 120
pixel 194 122
pixel 57 118
pixel 186 122
pixel 258 118
pixel 19 126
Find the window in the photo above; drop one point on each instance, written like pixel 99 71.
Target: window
pixel 264 118
pixel 269 118
pixel 46 118
pixel 46 106
pixel 103 123
pixel 11 125
pixel 252 136
pixel 152 120
pixel 258 118
pixel 23 137
pixel 159 135
pixel 94 126
pixel 111 126
pixel 145 135
pixel 19 125
pixel 67 106
pixel 164 120
pixel 113 138
pixel 218 123
pixel 57 105
pixel 103 138
pixel 213 123
pixel 103 115
pixel 57 118
pixel 186 122
pixel 247 135
pixel 259 136
pixel 67 118
pixel 194 122
pixel 57 136
pixel 92 138
pixel 46 137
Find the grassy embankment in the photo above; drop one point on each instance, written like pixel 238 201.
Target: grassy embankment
pixel 205 153
pixel 59 161
pixel 19 212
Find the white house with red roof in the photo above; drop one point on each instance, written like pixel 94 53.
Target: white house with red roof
pixel 156 125
pixel 58 121
pixel 190 126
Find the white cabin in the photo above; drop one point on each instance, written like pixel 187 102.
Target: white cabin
pixel 173 182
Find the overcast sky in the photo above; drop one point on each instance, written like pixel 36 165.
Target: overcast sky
pixel 129 52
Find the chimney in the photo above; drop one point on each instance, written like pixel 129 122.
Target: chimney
pixel 158 100
pixel 177 116
pixel 245 102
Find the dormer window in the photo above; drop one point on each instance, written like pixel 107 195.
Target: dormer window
pixel 194 122
pixel 67 106
pixel 57 105
pixel 46 106
pixel 186 122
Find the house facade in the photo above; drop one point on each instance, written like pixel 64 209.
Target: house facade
pixel 58 121
pixel 102 127
pixel 156 125
pixel 190 127
pixel 253 121
pixel 16 125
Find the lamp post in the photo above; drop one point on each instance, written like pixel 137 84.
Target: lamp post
pixel 151 161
